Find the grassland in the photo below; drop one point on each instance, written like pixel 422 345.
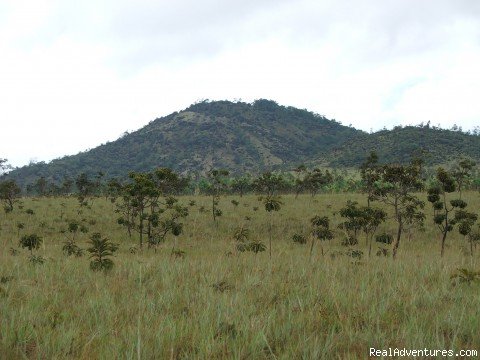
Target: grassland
pixel 216 303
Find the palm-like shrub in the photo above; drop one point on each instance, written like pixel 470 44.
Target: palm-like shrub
pixel 299 239
pixel 256 247
pixel 271 203
pixel 100 251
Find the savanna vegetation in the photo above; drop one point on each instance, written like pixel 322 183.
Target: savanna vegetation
pixel 268 266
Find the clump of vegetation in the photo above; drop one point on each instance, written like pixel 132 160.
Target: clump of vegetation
pixel 9 193
pixel 465 276
pixel 32 242
pixel 299 239
pixel 101 250
pixel 69 246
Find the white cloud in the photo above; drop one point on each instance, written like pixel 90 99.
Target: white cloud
pixel 75 74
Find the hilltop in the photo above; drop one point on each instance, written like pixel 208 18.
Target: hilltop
pixel 253 137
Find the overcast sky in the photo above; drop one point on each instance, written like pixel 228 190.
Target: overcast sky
pixel 75 74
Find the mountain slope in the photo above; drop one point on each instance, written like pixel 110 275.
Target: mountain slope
pixel 251 137
pixel 438 146
pixel 237 136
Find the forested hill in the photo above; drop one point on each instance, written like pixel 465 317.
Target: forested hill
pixel 250 137
pixel 438 146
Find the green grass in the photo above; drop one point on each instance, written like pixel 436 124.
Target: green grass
pixel 216 303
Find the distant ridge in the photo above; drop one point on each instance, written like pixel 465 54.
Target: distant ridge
pixel 251 137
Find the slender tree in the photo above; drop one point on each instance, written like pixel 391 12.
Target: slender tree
pixel 370 175
pixel 396 188
pixel 442 206
pixel 218 184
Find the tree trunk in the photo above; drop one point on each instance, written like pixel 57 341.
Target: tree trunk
pixel 444 237
pixel 141 230
pixel 311 247
pixel 370 246
pixel 397 241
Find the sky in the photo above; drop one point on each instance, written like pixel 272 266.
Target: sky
pixel 75 74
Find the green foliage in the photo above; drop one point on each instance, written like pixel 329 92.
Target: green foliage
pixel 320 230
pixel 148 207
pixel 299 239
pixel 465 276
pixel 101 250
pixel 256 247
pixel 36 259
pixel 9 192
pixel 384 238
pixel 396 187
pixel 218 185
pixel 31 242
pixel 241 234
pixel 272 203
pixel 437 195
pixel 243 137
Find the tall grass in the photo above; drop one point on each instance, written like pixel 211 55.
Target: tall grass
pixel 216 303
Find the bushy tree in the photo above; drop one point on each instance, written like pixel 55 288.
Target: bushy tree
pixel 148 206
pixel 320 230
pixel 396 187
pixel 31 242
pixel 85 188
pixel 242 184
pixel 9 193
pixel 269 184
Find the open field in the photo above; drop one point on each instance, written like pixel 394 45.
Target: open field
pixel 217 303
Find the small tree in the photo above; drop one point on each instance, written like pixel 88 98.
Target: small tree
pixel 396 188
pixel 320 230
pixel 85 188
pixel 315 180
pixel 100 252
pixel 442 207
pixel 272 203
pixel 148 207
pixel 370 175
pixel 372 218
pixel 269 184
pixel 9 192
pixel 462 174
pixel 69 246
pixel 353 223
pixel 31 242
pixel 466 220
pixel 241 184
pixel 218 185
